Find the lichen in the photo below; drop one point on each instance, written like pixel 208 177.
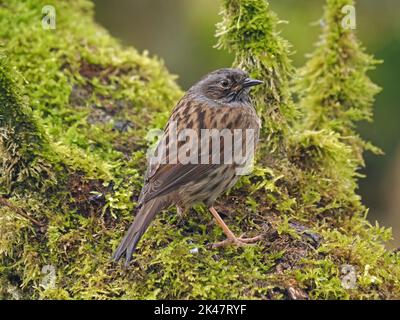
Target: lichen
pixel 85 105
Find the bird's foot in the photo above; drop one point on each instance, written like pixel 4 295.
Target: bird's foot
pixel 239 242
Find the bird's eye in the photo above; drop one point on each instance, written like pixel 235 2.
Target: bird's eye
pixel 225 83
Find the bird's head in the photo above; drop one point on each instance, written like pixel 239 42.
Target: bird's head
pixel 226 86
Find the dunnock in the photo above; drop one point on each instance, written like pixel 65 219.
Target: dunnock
pixel 219 102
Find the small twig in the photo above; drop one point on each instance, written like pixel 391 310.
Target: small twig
pixel 4 202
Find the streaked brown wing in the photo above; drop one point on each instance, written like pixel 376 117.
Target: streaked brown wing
pixel 175 115
pixel 163 177
pixel 170 177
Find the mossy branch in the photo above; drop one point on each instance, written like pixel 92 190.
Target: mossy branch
pixel 334 88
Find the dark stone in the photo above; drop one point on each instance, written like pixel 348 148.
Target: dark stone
pixel 122 125
pixel 98 116
pixel 79 95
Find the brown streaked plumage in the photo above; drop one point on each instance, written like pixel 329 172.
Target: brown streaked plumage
pixel 219 101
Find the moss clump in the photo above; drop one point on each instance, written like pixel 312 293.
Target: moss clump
pixel 23 144
pixel 92 103
pixel 334 88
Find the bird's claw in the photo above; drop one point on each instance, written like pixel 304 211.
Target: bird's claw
pixel 240 242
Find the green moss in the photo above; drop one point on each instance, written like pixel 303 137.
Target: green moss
pixel 92 102
pixel 23 144
pixel 334 88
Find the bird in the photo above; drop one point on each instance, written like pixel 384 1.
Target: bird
pixel 219 101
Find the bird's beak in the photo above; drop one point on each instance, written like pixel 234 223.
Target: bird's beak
pixel 248 82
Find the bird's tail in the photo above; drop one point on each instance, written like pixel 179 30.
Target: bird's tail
pixel 142 221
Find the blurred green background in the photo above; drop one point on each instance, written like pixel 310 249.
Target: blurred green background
pixel 181 32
